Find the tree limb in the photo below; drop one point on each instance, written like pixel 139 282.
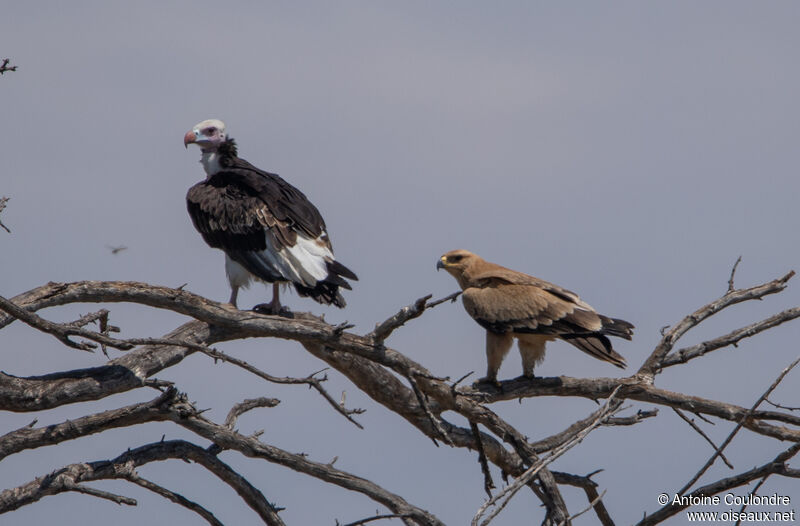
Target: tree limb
pixel 187 416
pixel 31 438
pixel 718 451
pixel 177 498
pixel 123 467
pixel 375 369
pixel 775 466
pixel 247 405
pixel 654 361
pixel 732 338
pixel 415 310
pixel 4 200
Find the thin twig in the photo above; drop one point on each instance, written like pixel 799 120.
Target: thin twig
pixel 425 407
pixel 553 441
pixel 29 437
pixel 508 493
pixel 62 332
pixel 653 362
pixel 488 483
pixel 589 487
pixel 450 297
pixel 3 201
pixel 640 415
pixel 246 405
pixel 588 508
pixel 732 338
pixel 311 381
pixel 377 518
pixel 186 416
pixel 779 406
pixel 733 273
pixel 177 498
pixel 752 492
pixel 101 317
pixel 702 434
pixel 704 419
pixel 113 497
pixel 384 329
pixel 774 466
pixel 124 466
pixel 728 440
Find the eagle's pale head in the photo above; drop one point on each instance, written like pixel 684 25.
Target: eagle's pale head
pixel 208 135
pixel 456 263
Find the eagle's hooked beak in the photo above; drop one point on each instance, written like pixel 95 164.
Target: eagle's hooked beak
pixel 439 264
pixel 189 138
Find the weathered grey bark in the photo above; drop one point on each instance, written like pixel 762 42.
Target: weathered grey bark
pixel 400 384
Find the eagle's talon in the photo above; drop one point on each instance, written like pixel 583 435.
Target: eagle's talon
pixel 494 382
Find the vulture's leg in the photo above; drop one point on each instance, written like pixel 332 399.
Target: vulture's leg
pixel 274 307
pixel 234 294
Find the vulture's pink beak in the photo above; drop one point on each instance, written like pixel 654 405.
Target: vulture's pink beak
pixel 189 138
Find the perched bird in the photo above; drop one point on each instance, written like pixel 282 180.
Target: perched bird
pixel 510 304
pixel 267 228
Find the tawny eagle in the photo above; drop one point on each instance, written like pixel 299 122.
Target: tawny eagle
pixel 510 304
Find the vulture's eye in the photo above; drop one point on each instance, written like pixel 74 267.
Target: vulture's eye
pixel 209 131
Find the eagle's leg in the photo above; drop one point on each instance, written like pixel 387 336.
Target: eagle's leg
pixel 497 346
pixel 531 348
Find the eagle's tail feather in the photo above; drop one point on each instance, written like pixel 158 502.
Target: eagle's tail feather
pixel 596 345
pixel 616 327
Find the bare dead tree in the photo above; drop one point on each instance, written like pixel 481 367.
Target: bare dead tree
pixel 388 376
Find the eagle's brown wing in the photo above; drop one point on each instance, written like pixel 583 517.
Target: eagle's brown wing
pixel 542 308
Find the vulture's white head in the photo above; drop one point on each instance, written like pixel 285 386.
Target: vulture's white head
pixel 208 135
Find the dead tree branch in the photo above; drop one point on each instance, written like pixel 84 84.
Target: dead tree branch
pixel 123 467
pixel 389 377
pixel 731 288
pixel 311 380
pixel 31 438
pixel 702 434
pixel 732 338
pixel 508 493
pixel 247 405
pixel 718 451
pixel 3 201
pixel 187 416
pixel 654 361
pixel 384 329
pixel 777 466
pixel 177 498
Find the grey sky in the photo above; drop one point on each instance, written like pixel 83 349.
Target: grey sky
pixel 629 151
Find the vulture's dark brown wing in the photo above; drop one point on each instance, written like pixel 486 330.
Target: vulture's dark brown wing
pixel 269 227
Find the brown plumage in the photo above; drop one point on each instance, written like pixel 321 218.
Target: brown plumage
pixel 510 304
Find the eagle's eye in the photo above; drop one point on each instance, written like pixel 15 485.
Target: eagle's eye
pixel 454 259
